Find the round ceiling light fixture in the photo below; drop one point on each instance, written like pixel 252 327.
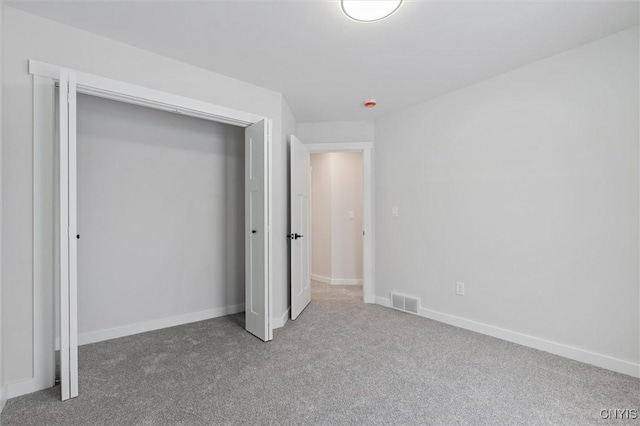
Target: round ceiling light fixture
pixel 369 10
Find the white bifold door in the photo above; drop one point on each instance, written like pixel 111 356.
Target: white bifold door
pixel 257 231
pixel 300 235
pixel 68 237
pixel 257 307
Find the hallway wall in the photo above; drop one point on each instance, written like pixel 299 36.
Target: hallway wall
pixel 337 212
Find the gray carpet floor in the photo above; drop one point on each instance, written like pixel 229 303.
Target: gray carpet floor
pixel 341 362
pixel 321 291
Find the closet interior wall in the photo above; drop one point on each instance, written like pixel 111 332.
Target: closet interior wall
pixel 160 218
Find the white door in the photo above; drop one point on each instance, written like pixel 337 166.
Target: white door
pixel 300 236
pixel 67 232
pixel 256 231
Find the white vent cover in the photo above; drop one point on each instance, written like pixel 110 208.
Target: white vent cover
pixel 411 304
pixel 405 303
pixel 397 301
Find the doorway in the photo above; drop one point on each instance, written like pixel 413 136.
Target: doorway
pixel 300 194
pixel 337 228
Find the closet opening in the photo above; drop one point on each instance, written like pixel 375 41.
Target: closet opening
pixel 160 218
pixel 150 210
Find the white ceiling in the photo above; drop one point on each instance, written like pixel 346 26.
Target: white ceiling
pixel 326 65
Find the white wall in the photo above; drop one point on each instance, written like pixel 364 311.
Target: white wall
pixel 336 131
pixel 347 194
pixel 337 190
pixel 321 229
pixel 30 37
pixel 2 390
pixel 525 188
pixel 160 214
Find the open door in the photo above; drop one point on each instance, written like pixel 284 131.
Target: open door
pixel 67 232
pixel 300 227
pixel 257 227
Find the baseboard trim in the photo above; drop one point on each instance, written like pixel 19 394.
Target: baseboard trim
pixel 23 387
pixel 346 281
pixel 320 278
pixel 383 301
pixel 3 401
pixel 336 281
pixel 566 351
pixel 281 321
pixel 143 327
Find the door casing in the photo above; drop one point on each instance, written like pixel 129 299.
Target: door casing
pixel 368 255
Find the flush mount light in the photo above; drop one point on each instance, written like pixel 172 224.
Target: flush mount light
pixel 369 10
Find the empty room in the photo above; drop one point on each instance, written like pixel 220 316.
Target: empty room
pixel 319 212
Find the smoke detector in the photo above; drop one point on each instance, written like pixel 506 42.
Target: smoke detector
pixel 371 103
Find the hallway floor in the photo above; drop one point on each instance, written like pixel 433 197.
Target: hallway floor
pixel 322 291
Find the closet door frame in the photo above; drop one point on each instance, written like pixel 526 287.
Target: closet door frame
pixel 70 83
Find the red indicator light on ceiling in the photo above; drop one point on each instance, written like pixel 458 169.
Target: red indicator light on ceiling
pixel 370 104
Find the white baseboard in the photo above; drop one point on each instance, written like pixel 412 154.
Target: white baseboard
pixel 142 327
pixel 346 281
pixel 336 281
pixel 281 321
pixel 22 387
pixel 320 278
pixel 577 354
pixel 383 301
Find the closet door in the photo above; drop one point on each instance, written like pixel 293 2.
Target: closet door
pixel 68 244
pixel 256 230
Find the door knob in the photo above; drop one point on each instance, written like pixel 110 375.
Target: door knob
pixel 295 236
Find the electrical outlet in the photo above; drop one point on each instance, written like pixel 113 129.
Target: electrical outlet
pixel 394 211
pixel 352 215
pixel 459 288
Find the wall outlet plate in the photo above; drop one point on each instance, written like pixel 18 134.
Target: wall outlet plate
pixel 459 288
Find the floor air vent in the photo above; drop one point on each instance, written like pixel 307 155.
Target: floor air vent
pixel 397 301
pixel 404 303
